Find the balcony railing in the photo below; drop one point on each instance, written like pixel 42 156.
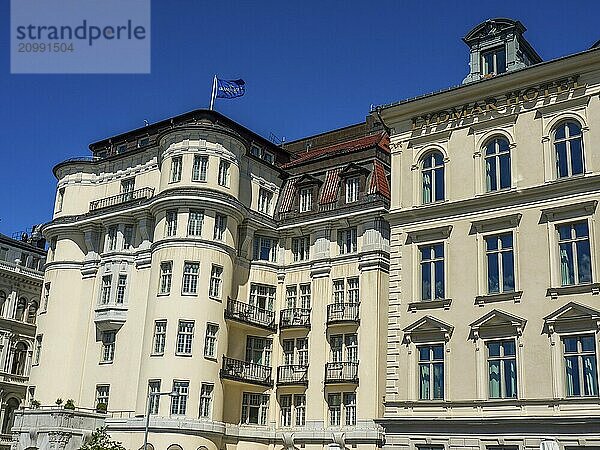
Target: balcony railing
pixel 13 378
pixel 343 312
pixel 287 375
pixel 294 318
pixel 125 197
pixel 364 202
pixel 247 372
pixel 252 315
pixel 341 372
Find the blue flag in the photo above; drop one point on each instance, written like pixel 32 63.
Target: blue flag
pixel 230 88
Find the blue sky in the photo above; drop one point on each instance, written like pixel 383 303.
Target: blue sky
pixel 309 66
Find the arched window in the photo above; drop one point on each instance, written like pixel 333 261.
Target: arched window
pixel 568 149
pixel 9 415
pixel 497 164
pixel 174 447
pixel 433 177
pixel 19 359
pixel 32 312
pixel 21 307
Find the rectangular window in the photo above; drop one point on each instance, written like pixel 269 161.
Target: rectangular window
pixel 111 238
pixel 220 226
pixel 502 369
pixel 301 248
pixel 121 286
pixel 262 296
pixel 351 344
pixel 255 151
pixel 185 334
pixel 291 296
pixel 285 404
pixel 38 349
pixel 105 292
pixel 224 173
pixel 336 343
pixel 179 402
pixel 254 408
pixel 3 254
pixel 102 394
pixel 46 297
pixel 195 219
pixel 121 148
pixel 216 278
pixel 268 157
pixel 334 404
pixel 338 292
pixel 176 164
pixel 59 199
pixel 128 237
pixel 154 388
pixel 160 337
pixel 171 223
pixel 288 352
pixel 347 241
pixel 302 349
pixel 500 263
pixel 575 255
pixel 580 365
pixel 108 346
pixel 353 290
pixel 265 248
pixel 305 296
pixel 142 142
pixel 350 408
pixel 190 278
pixel 352 188
pixel 206 391
pixel 200 168
pixel 306 199
pixel 166 276
pixel 127 187
pixel 432 272
pixel 300 409
pixel 431 372
pixel 493 61
pixel 264 200
pixel 210 340
pixel 258 350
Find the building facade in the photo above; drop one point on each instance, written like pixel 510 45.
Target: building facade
pixel 21 299
pixel 493 335
pixel 196 258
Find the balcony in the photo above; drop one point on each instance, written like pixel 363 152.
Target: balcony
pixel 292 375
pixel 294 318
pixel 341 372
pixel 343 313
pixel 251 315
pixel 246 372
pixel 120 199
pixel 11 378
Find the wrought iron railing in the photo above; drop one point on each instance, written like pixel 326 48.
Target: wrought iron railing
pixel 246 313
pixel 295 374
pixel 294 318
pixel 125 197
pixel 358 205
pixel 343 312
pixel 234 369
pixel 341 372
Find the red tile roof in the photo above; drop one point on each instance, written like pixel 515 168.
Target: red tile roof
pixel 329 191
pixel 379 181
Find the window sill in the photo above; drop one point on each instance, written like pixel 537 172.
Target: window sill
pixel 514 296
pixel 185 355
pixel 211 358
pixel 555 292
pixel 216 299
pixel 433 304
pixel 163 294
pixel 156 354
pixel 199 181
pixel 102 363
pixel 189 294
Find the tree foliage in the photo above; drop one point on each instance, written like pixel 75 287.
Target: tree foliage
pixel 100 440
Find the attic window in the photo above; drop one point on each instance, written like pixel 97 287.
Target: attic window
pixel 121 148
pixel 262 154
pixel 255 151
pixel 493 62
pixel 143 141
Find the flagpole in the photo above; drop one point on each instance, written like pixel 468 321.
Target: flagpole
pixel 212 95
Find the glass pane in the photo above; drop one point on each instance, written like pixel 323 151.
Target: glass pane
pixel 427 161
pixel 510 378
pixel 501 61
pixel 587 343
pixel 561 159
pixel 560 132
pixel 439 279
pixel 564 232
pixel 574 129
pixel 567 268
pixel 584 265
pixel 426 281
pixel 581 229
pixel 427 187
pixel 590 375
pixel 509 348
pixel 508 272
pixel 570 345
pixel 439 184
pixel 504 171
pixel 426 253
pixel 438 380
pixel 493 273
pixel 502 145
pixel 494 376
pixel 439 250
pixel 490 174
pixel 493 348
pixel 491 243
pixel 490 148
pixel 438 352
pixel 576 156
pixel 423 353
pixel 572 376
pixel 506 240
pixel 424 381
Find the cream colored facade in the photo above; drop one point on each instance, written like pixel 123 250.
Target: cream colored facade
pixel 481 357
pixel 151 286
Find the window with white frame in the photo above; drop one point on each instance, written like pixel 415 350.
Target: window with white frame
pixel 349 408
pixel 105 289
pixel 154 388
pixel 128 237
pixel 268 157
pixel 60 199
pixel 431 372
pixel 166 277
pixel 500 259
pixel 254 408
pixel 497 164
pixel 127 187
pixel 264 200
pixel 45 299
pixel 338 291
pixel 334 406
pixel 295 352
pixel 142 142
pixel 223 178
pixel 220 226
pixel 575 254
pixel 432 271
pixel 262 296
pixel 210 340
pixel 200 168
pixel 102 394
pixel 185 335
pixel 258 350
pixel 306 199
pixel 300 410
pixel 433 177
pixel 347 240
pixel 171 223
pixel 493 62
pixel 195 219
pixel 285 407
pixel 344 347
pixel 179 401
pixel 568 149
pixel 302 351
pixel 352 189
pixel 305 295
pixel 111 238
pixel 216 280
pixel 206 392
pixel 265 248
pixel 38 349
pixel 301 248
pixel 190 278
pixel 176 164
pixel 502 368
pixel 160 337
pixel 353 290
pixel 581 370
pixel 121 286
pixel 108 346
pixel 291 296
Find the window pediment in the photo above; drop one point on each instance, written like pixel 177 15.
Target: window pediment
pixel 495 223
pixel 307 180
pixel 497 323
pixel 568 211
pixel 353 169
pixel 572 317
pixel 430 234
pixel 427 328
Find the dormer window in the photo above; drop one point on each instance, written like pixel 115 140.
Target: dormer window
pixel 142 142
pixel 255 151
pixel 352 189
pixel 306 199
pixel 493 62
pixel 121 148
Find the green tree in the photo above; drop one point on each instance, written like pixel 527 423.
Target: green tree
pixel 100 440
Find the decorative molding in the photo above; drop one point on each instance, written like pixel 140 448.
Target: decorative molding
pixel 434 304
pixel 431 234
pixel 568 211
pixel 495 223
pixel 514 296
pixel 577 102
pixel 555 292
